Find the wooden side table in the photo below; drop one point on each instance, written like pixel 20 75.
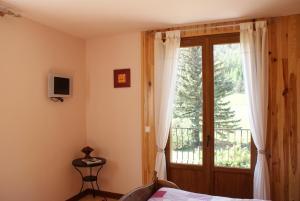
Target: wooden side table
pixel 78 163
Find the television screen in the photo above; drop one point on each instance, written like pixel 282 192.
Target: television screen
pixel 61 85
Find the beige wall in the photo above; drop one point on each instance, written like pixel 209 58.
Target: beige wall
pixel 39 138
pixel 113 115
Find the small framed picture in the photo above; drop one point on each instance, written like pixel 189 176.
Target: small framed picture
pixel 121 78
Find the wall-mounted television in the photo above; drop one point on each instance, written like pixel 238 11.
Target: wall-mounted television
pixel 59 85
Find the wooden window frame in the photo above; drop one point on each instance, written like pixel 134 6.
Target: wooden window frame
pixel 207 43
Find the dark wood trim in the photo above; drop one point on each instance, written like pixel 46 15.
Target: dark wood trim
pixel 192 41
pixel 89 191
pixel 224 38
pixel 209 114
pixel 186 166
pixel 232 170
pixel 216 39
pixel 253 155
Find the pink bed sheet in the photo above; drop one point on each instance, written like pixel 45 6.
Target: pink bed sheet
pixel 170 194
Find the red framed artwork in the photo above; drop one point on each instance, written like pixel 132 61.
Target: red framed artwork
pixel 121 78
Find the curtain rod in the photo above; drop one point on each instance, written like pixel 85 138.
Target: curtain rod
pixel 211 27
pixel 201 27
pixel 207 26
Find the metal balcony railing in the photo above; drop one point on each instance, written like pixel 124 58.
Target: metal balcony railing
pixel 232 147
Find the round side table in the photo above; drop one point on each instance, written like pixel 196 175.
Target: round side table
pixel 78 164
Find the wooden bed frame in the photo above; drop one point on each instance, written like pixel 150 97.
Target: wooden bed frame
pixel 145 192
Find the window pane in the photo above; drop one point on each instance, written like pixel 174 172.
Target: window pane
pixel 186 132
pixel 232 133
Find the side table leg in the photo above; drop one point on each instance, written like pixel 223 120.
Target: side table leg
pixel 82 182
pixel 94 194
pixel 104 197
pixel 94 190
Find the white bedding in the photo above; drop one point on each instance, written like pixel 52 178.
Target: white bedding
pixel 170 194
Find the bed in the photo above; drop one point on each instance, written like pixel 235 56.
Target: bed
pixel 161 190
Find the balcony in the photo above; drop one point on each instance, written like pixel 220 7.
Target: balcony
pixel 232 147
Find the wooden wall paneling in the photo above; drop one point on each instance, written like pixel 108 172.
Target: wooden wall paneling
pixel 276 105
pixel 279 55
pixel 283 136
pixel 272 137
pixel 286 120
pixel 293 57
pixel 148 139
pixel 284 92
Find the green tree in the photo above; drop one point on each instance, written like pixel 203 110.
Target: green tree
pixel 188 105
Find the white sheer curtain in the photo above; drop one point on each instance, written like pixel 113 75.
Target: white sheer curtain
pixel 165 72
pixel 255 65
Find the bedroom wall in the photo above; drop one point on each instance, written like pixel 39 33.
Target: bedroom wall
pixel 113 114
pixel 39 138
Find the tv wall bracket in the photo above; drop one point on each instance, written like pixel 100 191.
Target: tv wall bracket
pixel 57 99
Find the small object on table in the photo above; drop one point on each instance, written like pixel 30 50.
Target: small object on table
pixel 90 163
pixel 87 150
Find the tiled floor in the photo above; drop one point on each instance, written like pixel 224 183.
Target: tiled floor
pixel 90 198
